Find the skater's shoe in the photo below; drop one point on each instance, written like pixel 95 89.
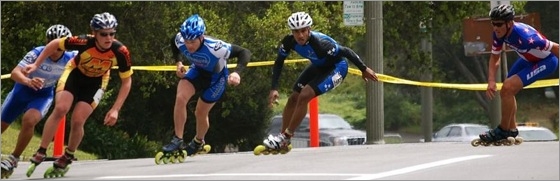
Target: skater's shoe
pixel 38 158
pixel 494 135
pixel 277 142
pixel 514 133
pixel 62 162
pixel 8 166
pixel 176 144
pixel 194 146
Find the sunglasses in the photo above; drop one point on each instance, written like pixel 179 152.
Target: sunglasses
pixel 103 34
pixel 500 24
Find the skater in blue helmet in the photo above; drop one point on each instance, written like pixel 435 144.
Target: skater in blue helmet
pixel 538 58
pixel 327 70
pixel 32 94
pixel 207 74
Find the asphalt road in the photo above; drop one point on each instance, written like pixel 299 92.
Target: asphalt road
pixel 412 161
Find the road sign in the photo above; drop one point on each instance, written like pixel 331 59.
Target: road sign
pixel 353 13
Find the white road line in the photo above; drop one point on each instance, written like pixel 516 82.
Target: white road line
pixel 227 175
pixel 417 167
pixel 354 176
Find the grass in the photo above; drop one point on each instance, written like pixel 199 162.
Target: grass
pixel 9 139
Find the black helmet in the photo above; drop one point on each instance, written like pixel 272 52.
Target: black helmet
pixel 502 12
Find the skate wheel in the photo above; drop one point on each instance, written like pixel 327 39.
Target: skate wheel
pixel 165 159
pixel 158 158
pixel 475 142
pixel 6 174
pixel 207 148
pixel 274 152
pixel 266 152
pixel 49 173
pixel 30 170
pixel 182 156
pixel 518 140
pixel 497 143
pixel 258 150
pixel 173 159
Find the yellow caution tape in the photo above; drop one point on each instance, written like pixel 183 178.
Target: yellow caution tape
pixel 382 77
pixel 479 87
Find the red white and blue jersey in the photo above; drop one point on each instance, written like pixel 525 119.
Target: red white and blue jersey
pixel 529 44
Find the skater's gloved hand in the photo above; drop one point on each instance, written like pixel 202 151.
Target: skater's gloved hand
pixel 234 79
pixel 111 117
pixel 273 98
pixel 491 90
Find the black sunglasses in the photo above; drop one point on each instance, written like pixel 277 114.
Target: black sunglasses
pixel 498 24
pixel 103 34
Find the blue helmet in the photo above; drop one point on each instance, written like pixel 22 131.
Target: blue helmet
pixel 193 27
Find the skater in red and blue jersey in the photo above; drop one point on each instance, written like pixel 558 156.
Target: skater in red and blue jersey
pixel 327 70
pixel 538 58
pixel 32 94
pixel 207 74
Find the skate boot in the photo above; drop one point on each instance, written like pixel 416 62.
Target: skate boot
pixel 172 152
pixel 274 144
pixel 8 166
pixel 60 166
pixel 37 159
pixel 197 146
pixel 496 137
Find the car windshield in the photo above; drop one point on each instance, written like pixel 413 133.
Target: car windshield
pixel 333 122
pixel 475 131
pixel 534 135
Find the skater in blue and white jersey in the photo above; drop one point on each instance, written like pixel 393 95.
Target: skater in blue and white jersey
pixel 538 58
pixel 327 70
pixel 33 94
pixel 207 74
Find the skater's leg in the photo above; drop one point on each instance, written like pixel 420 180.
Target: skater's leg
pixel 30 118
pixel 201 114
pixel 80 114
pixel 185 90
pixel 510 88
pixel 300 110
pixel 289 111
pixel 513 119
pixel 4 126
pixel 63 102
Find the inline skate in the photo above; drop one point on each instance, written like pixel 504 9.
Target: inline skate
pixel 496 137
pixel 274 144
pixel 173 152
pixel 60 166
pixel 197 147
pixel 8 166
pixel 37 159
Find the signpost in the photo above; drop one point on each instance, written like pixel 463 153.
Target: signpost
pixel 353 13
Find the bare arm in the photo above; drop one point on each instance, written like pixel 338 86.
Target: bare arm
pixel 554 49
pixel 18 76
pixel 493 67
pixel 50 48
pixel 126 84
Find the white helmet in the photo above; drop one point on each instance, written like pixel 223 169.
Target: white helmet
pixel 58 31
pixel 299 20
pixel 103 21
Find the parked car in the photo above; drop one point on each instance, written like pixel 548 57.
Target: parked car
pixel 536 133
pixel 465 132
pixel 333 131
